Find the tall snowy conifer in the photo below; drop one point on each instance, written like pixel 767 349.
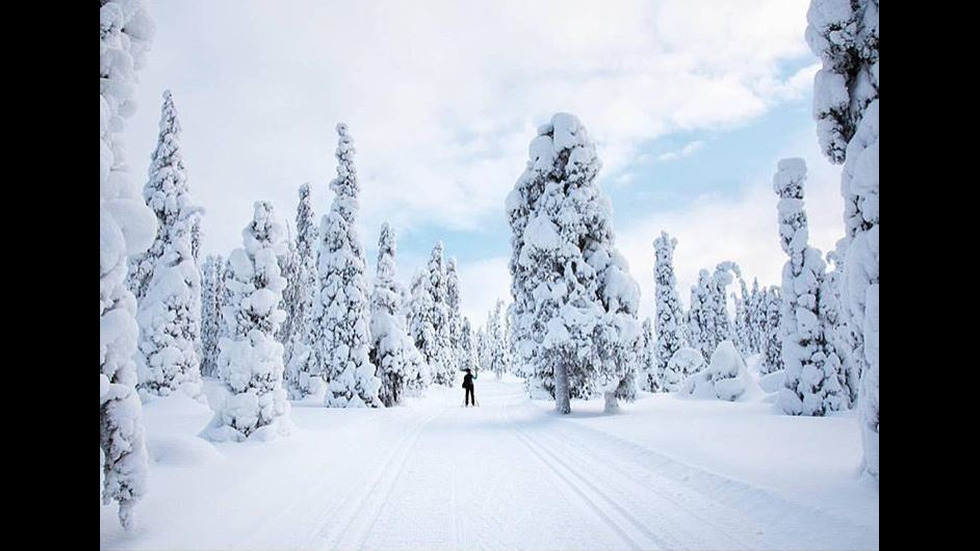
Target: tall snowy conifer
pixel 700 316
pixel 392 349
pixel 421 329
pixel 455 325
pixel 743 319
pixel 431 329
pixel 575 304
pixel 837 331
pixel 167 281
pixel 669 314
pixel 344 310
pixel 725 273
pixel 304 371
pixel 812 366
pixel 251 402
pixel 772 338
pixel 212 295
pixel 651 376
pixel 844 34
pixel 756 317
pixel 126 228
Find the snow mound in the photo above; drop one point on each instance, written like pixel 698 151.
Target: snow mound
pixel 183 451
pixel 772 382
pixel 726 378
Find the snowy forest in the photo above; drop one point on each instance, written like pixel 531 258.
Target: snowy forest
pixel 299 384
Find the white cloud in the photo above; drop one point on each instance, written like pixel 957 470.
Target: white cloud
pixel 442 100
pixel 741 228
pixel 686 151
pixel 481 284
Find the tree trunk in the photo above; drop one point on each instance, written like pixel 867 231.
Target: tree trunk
pixel 612 403
pixel 562 399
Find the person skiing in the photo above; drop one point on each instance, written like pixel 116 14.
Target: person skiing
pixel 470 397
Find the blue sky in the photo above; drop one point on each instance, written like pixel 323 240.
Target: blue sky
pixel 691 105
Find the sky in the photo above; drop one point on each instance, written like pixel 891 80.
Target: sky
pixel 690 103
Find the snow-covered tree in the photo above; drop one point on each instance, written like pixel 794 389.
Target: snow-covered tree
pixel 575 303
pixel 196 239
pixel 251 402
pixel 700 316
pixel 304 371
pixel 844 34
pixel 496 353
pixel 669 313
pixel 168 279
pixel 772 339
pixel 422 329
pixel 685 363
pixel 651 377
pixel 126 228
pixel 838 332
pixel 429 318
pixel 455 324
pixel 392 349
pixel 289 264
pixel 725 378
pixel 812 366
pixel 743 319
pixel 469 346
pixel 212 295
pixel 725 273
pixel 344 310
pixel 756 315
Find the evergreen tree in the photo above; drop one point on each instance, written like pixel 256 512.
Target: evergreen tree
pixel 196 239
pixel 392 349
pixel 126 228
pixel 469 358
pixel 757 318
pixel 772 353
pixel 652 377
pixel 725 273
pixel 575 304
pixel 844 34
pixel 700 316
pixel 422 329
pixel 344 311
pixel 669 314
pixel 812 366
pixel 251 402
pixel 304 371
pixel 212 295
pixel 167 280
pixel 743 319
pixel 838 331
pixel 455 322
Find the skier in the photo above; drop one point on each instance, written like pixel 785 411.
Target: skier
pixel 470 397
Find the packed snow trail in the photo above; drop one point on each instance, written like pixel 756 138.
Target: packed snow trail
pixel 434 475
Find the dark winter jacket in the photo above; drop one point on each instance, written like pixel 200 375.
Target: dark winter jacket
pixel 467 381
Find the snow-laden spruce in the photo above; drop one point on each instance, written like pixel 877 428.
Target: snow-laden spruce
pixel 496 351
pixel 429 318
pixel 392 350
pixel 743 319
pixel 844 34
pixel 289 264
pixel 421 328
pixel 469 359
pixel 167 278
pixel 344 309
pixel 832 318
pixel 725 273
pixel 212 295
pixel 251 402
pixel 304 371
pixel 575 303
pixel 669 313
pixel 726 377
pixel 811 363
pixel 682 365
pixel 756 315
pixel 651 379
pixel 126 228
pixel 772 339
pixel 455 326
pixel 700 318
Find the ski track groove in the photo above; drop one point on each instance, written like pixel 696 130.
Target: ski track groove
pixel 383 483
pixel 629 492
pixel 539 453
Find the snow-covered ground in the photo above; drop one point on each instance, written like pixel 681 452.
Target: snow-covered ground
pixel 667 472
